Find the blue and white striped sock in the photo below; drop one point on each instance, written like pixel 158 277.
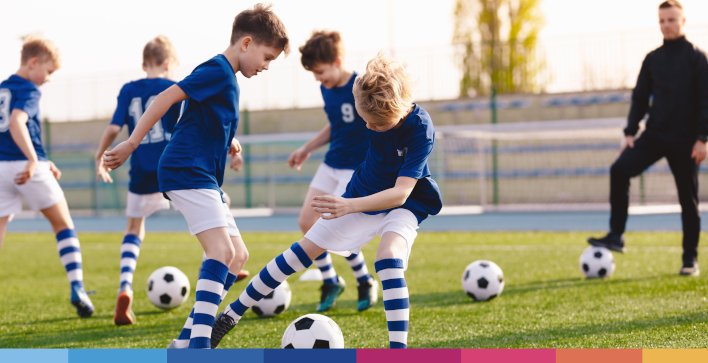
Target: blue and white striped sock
pixel 210 286
pixel 70 255
pixel 276 271
pixel 395 299
pixel 324 263
pixel 129 251
pixel 182 340
pixel 358 265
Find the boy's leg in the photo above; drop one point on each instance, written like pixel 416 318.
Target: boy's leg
pixel 390 265
pixel 297 258
pixel 70 255
pixel 129 252
pixel 3 228
pixel 368 289
pixel 332 285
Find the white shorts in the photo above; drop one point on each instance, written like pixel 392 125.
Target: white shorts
pixel 41 191
pixel 331 180
pixel 349 233
pixel 144 205
pixel 203 209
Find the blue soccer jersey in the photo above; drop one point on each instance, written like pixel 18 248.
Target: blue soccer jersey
pixel 133 100
pixel 348 140
pixel 17 93
pixel 195 157
pixel 402 151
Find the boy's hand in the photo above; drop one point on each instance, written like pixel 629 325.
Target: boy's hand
pixel 25 175
pixel 699 151
pixel 102 173
pixel 116 157
pixel 298 157
pixel 331 206
pixel 55 171
pixel 235 148
pixel 236 162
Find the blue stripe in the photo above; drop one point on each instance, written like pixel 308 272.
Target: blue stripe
pixel 203 295
pixel 395 304
pixel 283 265
pixel 128 254
pixel 322 256
pixel 230 279
pixel 69 249
pixel 72 266
pixel 393 283
pixel 253 293
pixel 131 238
pixel 399 325
pixel 214 270
pixel 352 256
pixel 126 269
pixel 388 263
pixel 330 281
pixel 325 268
pixel 358 267
pixel 125 283
pixel 267 279
pixel 394 345
pixel 200 343
pixel 301 255
pixel 67 233
pixel 238 307
pixel 203 319
pixel 185 334
pixel 364 278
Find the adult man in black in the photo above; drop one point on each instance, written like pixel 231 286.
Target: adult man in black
pixel 673 88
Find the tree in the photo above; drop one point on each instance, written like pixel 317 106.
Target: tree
pixel 510 64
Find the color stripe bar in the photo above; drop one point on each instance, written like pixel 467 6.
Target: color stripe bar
pixel 408 355
pixel 34 355
pixel 598 355
pixel 509 355
pixel 675 355
pixel 117 356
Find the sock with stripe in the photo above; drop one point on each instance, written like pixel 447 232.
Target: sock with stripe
pixel 210 286
pixel 129 251
pixel 395 299
pixel 276 271
pixel 70 256
pixel 358 265
pixel 324 263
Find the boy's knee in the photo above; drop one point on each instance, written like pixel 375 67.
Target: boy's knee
pixel 304 224
pixel 240 256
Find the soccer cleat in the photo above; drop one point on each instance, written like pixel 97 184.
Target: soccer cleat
pixel 330 293
pixel 124 313
pixel 368 294
pixel 81 301
pixel 222 325
pixel 609 241
pixel 241 275
pixel 690 270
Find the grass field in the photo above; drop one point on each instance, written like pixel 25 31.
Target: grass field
pixel 546 303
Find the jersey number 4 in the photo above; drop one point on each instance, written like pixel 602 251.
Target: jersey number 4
pixel 157 132
pixel 5 96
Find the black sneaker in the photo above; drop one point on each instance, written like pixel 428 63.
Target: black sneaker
pixel 610 241
pixel 222 325
pixel 81 302
pixel 368 294
pixel 330 293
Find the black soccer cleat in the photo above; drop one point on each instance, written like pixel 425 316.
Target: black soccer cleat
pixel 81 302
pixel 329 295
pixel 222 325
pixel 368 294
pixel 609 241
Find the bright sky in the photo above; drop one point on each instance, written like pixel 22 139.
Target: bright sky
pixel 101 42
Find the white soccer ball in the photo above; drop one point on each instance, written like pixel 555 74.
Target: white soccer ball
pixel 483 280
pixel 167 287
pixel 274 303
pixel 597 262
pixel 312 331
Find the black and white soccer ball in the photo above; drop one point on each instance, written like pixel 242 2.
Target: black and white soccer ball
pixel 312 331
pixel 274 303
pixel 483 280
pixel 597 262
pixel 167 287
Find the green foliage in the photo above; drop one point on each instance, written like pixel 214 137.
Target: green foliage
pixel 509 62
pixel 546 303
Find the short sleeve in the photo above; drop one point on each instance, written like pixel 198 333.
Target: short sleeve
pixel 28 102
pixel 120 116
pixel 417 152
pixel 206 80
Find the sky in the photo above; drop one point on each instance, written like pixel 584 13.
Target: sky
pixel 101 42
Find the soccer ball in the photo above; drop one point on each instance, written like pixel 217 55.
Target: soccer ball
pixel 312 331
pixel 167 287
pixel 274 303
pixel 483 280
pixel 597 262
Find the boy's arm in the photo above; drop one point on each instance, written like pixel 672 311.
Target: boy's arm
pixel 386 199
pixel 21 137
pixel 299 156
pixel 116 157
pixel 107 139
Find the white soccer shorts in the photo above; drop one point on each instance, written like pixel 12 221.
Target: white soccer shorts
pixel 203 209
pixel 41 191
pixel 331 180
pixel 144 205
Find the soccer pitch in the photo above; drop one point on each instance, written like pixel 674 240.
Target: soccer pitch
pixel 546 303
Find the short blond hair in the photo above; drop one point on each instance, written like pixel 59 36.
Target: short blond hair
pixel 157 51
pixel 385 89
pixel 34 46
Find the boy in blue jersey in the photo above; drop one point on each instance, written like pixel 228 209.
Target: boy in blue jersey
pixel 390 193
pixel 191 168
pixel 25 171
pixel 323 55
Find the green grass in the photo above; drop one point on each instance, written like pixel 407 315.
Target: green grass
pixel 546 302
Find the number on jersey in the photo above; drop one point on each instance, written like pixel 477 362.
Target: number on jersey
pixel 157 132
pixel 347 112
pixel 5 96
